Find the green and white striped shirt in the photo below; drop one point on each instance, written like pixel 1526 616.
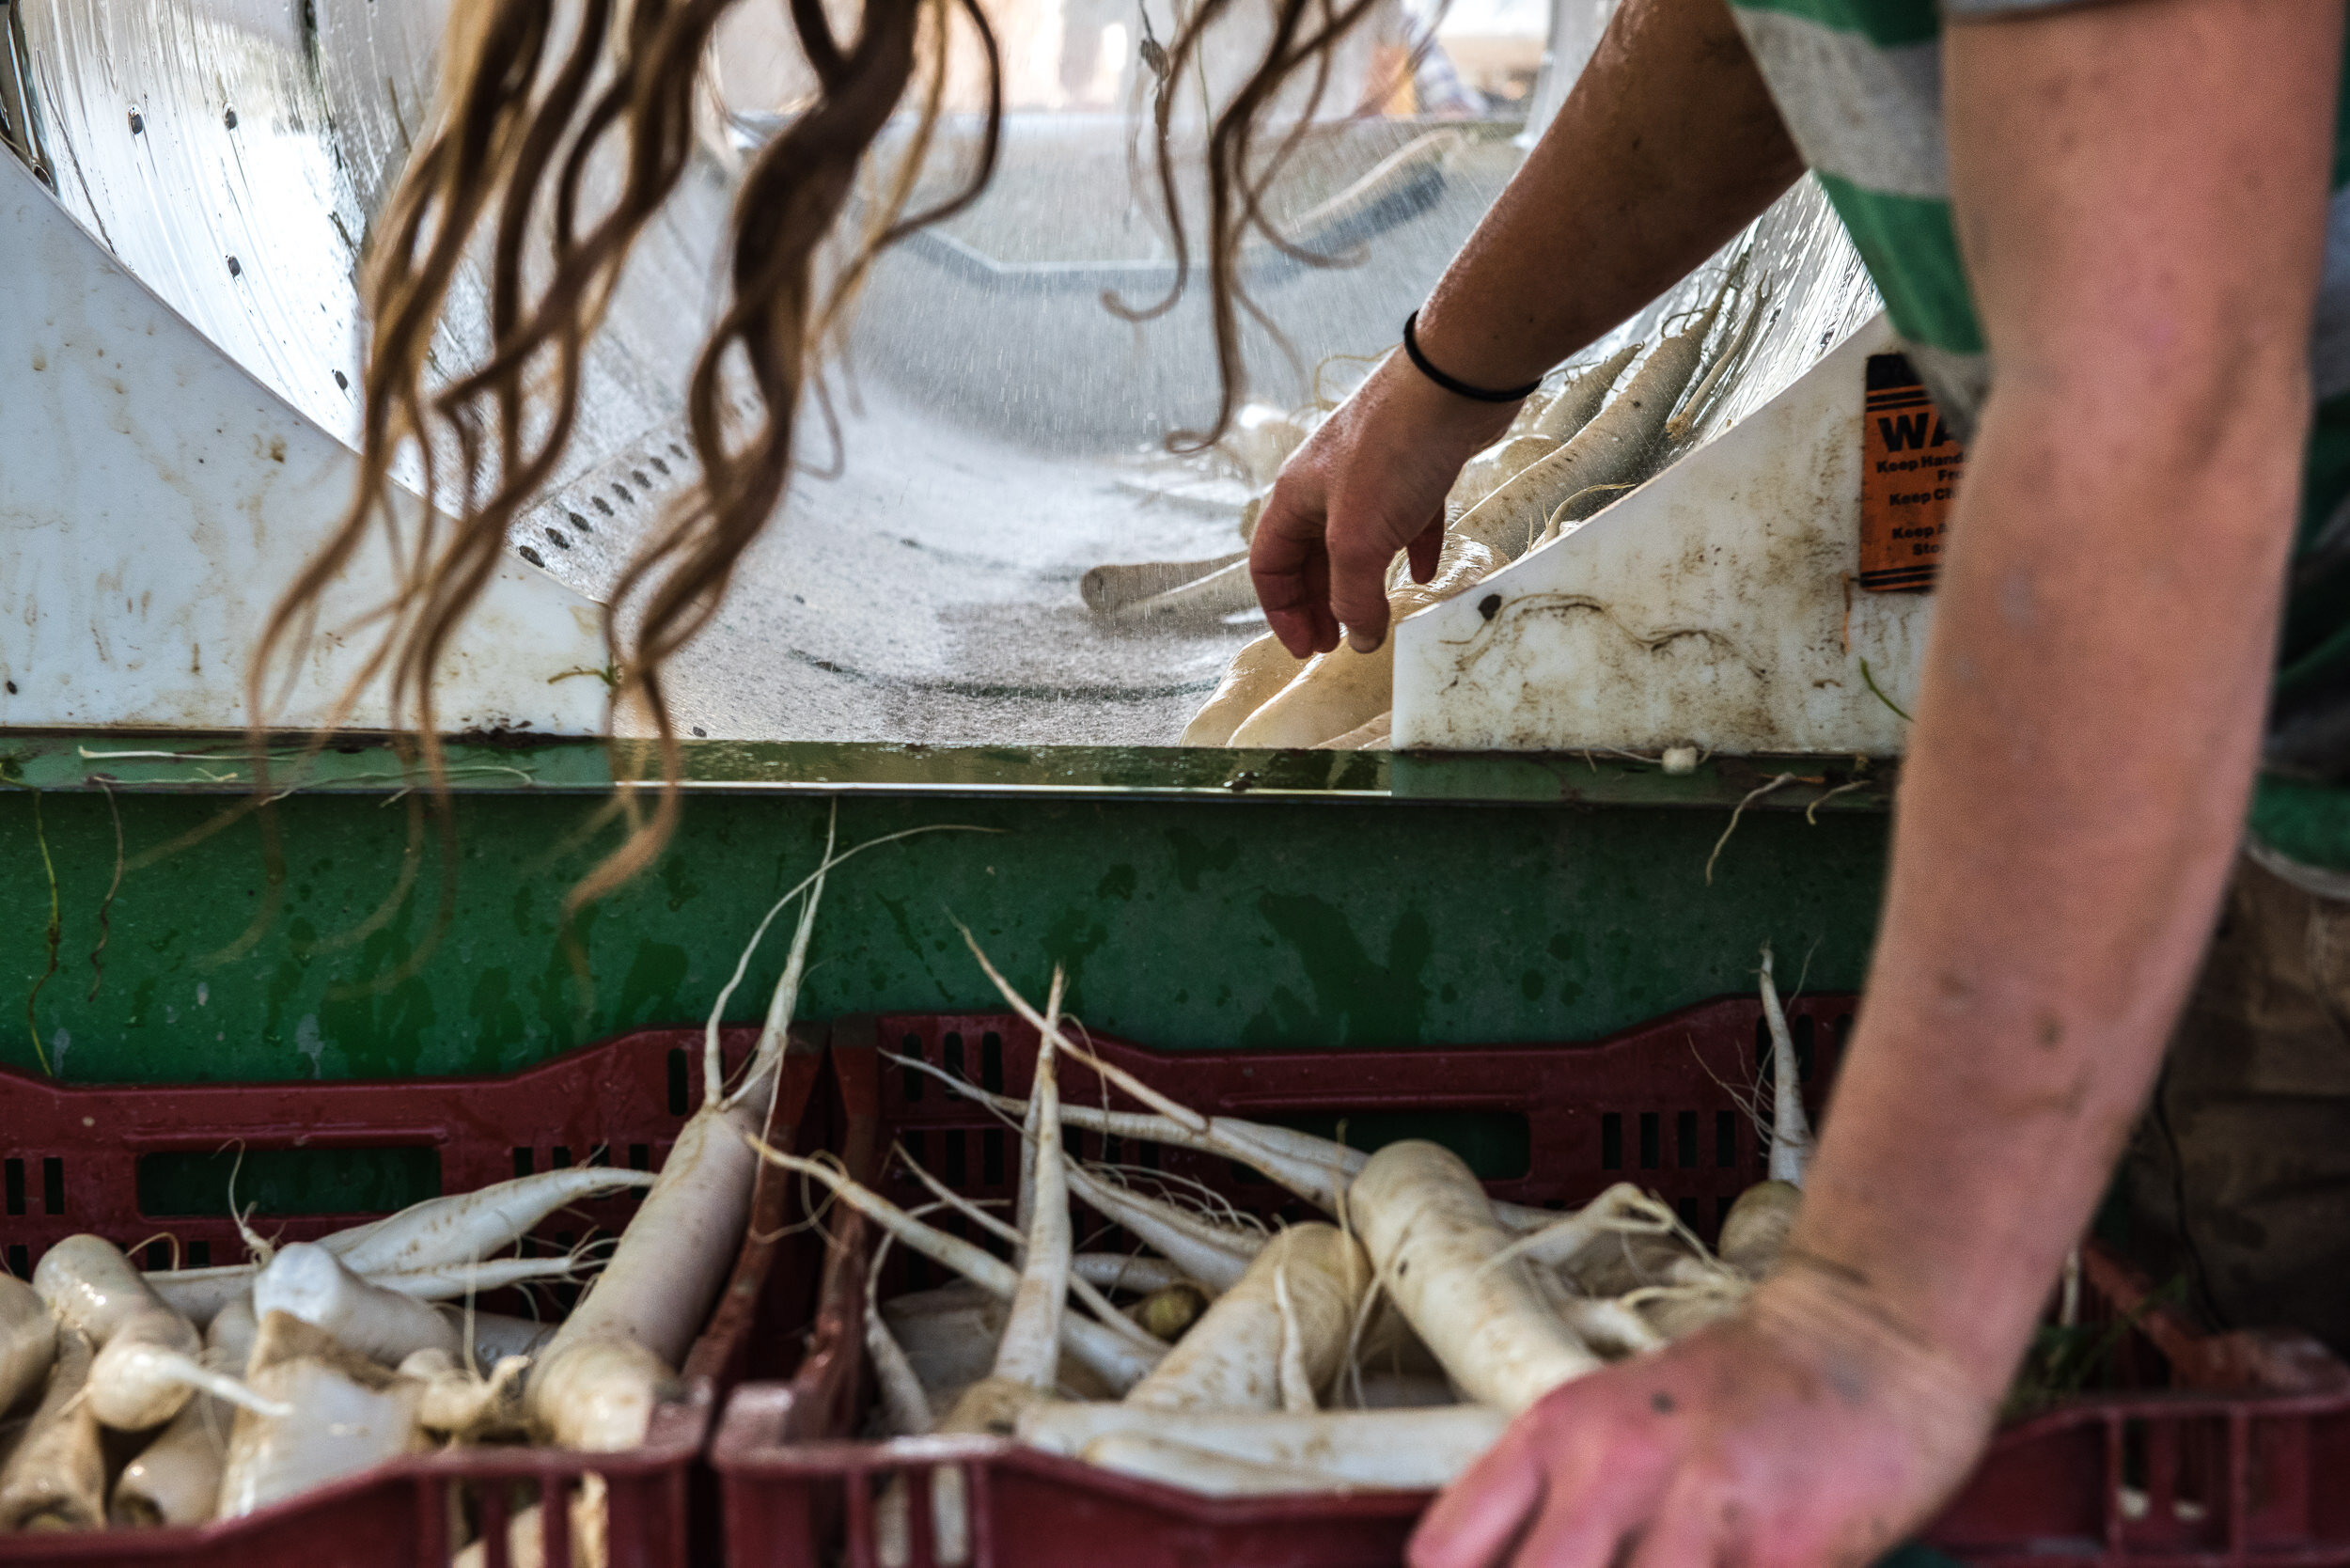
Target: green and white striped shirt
pixel 1859 84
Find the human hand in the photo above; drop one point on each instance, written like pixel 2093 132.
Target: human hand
pixel 1371 481
pixel 1808 1427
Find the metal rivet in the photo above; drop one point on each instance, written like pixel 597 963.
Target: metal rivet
pixel 235 270
pixel 342 381
pixel 138 123
pixel 229 118
pixel 1490 605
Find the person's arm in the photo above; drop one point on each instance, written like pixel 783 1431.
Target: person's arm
pixel 2140 194
pixel 1666 146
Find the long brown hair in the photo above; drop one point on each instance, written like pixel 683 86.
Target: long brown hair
pixel 524 108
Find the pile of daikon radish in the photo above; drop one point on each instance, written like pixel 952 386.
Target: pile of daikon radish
pixel 1385 1348
pixel 176 1397
pixel 1570 450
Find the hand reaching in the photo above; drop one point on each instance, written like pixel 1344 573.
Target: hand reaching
pixel 1370 482
pixel 1808 1429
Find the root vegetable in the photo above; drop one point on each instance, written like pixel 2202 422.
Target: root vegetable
pixel 1421 1448
pixel 458 1401
pixel 1121 1271
pixel 56 1480
pixel 145 1372
pixel 91 1287
pixel 344 1414
pixel 1110 1355
pixel 1428 1227
pixel 1110 587
pixel 1209 597
pixel 1578 402
pixel 1495 466
pixel 1376 734
pixel 1257 673
pixel 1343 690
pixel 175 1478
pixel 496 1336
pixel 1612 451
pixel 1754 1232
pixel 1315 1168
pixel 311 1283
pixel 1231 1359
pixel 1790 1130
pixel 29 1341
pixel 1084 1289
pixel 595 1383
pixel 1212 1254
pixel 467 1227
pixel 1215 1475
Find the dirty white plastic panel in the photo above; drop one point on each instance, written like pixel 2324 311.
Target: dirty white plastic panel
pixel 155 500
pixel 1713 606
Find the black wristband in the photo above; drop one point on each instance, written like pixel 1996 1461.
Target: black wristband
pixel 1459 388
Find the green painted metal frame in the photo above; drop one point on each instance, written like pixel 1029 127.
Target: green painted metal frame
pixel 1201 898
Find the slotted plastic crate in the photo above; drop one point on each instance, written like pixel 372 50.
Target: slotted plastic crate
pixel 1660 1105
pixel 74 1159
pixel 2219 1449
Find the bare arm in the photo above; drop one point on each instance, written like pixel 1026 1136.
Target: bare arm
pixel 1668 143
pixel 2140 192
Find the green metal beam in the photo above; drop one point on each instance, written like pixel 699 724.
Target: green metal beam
pixel 1329 900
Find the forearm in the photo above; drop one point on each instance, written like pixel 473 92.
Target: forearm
pixel 2072 798
pixel 1668 145
pixel 2089 716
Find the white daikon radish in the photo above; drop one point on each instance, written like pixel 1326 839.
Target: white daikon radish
pixel 1153 1458
pixel 1315 1168
pixel 1112 1356
pixel 1578 402
pixel 1612 451
pixel 1122 1271
pixel 595 1384
pixel 1428 1227
pixel 1111 587
pixel 458 1401
pixel 496 1336
pixel 1207 598
pixel 1791 1129
pixel 29 1341
pixel 1343 690
pixel 344 1414
pixel 1217 1256
pixel 311 1283
pixel 56 1480
pixel 1494 467
pixel 1231 1359
pixel 1084 1289
pixel 470 1225
pixel 145 1372
pixel 175 1478
pixel 91 1287
pixel 1375 734
pixel 1256 672
pixel 1420 1448
pixel 1754 1232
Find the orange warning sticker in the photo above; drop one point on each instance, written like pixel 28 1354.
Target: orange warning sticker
pixel 1909 468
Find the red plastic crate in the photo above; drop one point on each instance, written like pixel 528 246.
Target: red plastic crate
pixel 71 1156
pixel 2263 1468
